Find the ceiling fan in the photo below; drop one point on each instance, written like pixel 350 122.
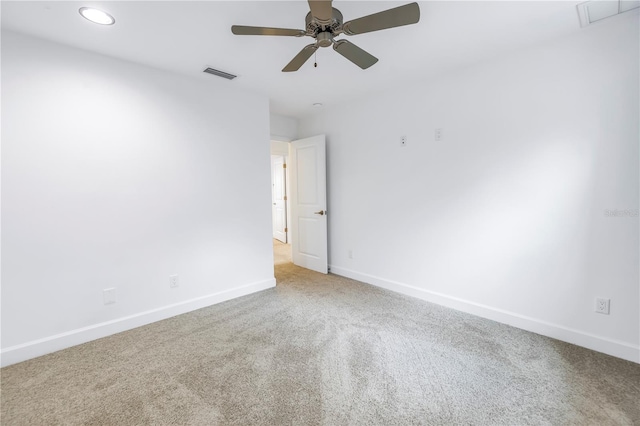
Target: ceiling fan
pixel 325 22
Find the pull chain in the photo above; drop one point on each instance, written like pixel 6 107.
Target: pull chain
pixel 315 59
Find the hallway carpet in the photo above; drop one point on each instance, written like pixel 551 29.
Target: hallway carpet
pixel 322 350
pixel 281 253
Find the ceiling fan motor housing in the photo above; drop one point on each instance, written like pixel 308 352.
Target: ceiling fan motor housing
pixel 315 26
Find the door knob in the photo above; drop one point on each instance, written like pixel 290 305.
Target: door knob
pixel 321 212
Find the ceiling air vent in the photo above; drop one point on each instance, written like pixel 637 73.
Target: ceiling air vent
pixel 596 10
pixel 220 73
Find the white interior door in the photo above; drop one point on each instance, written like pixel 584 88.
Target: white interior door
pixel 307 174
pixel 279 198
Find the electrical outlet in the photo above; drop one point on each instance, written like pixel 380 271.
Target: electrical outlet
pixel 602 306
pixel 173 281
pixel 350 254
pixel 403 141
pixel 109 296
pixel 438 134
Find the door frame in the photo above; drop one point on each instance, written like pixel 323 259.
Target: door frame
pixel 277 148
pixel 284 190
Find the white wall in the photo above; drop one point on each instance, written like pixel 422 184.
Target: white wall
pixel 283 128
pixel 118 175
pixel 505 217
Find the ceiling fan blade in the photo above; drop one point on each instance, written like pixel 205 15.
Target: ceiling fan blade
pixel 300 58
pixel 321 9
pixel 244 30
pixel 396 17
pixel 353 53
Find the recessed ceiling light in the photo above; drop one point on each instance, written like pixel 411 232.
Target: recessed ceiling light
pixel 96 16
pixel 317 105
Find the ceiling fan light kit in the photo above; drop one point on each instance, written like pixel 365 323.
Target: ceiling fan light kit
pixel 324 23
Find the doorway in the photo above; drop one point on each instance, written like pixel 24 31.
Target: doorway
pixel 280 210
pixel 279 223
pixel 299 203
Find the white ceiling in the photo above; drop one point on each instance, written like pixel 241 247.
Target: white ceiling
pixel 185 37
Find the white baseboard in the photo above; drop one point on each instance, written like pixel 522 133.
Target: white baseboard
pixel 35 348
pixel 612 347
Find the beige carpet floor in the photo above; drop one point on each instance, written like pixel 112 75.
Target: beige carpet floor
pixel 322 350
